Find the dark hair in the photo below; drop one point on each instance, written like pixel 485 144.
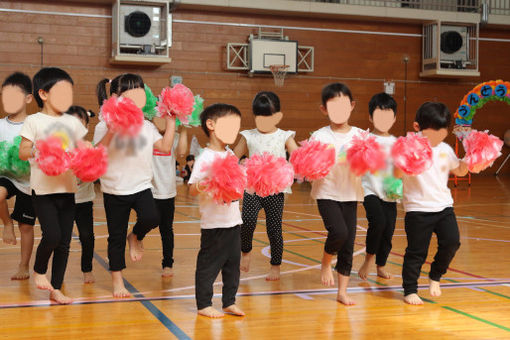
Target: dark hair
pixel 46 78
pixel 433 115
pixel 20 80
pixel 265 104
pixel 216 111
pixel 382 101
pixel 190 158
pixel 118 85
pixel 335 90
pixel 81 113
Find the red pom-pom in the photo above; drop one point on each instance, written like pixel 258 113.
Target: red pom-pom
pixel 122 116
pixel 267 174
pixel 88 164
pixel 176 102
pixel 412 154
pixel 481 149
pixel 312 160
pixel 51 157
pixel 225 180
pixel 365 154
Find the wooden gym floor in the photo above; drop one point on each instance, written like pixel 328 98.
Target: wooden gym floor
pixel 475 302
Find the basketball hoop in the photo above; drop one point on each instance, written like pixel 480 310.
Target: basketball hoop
pixel 279 72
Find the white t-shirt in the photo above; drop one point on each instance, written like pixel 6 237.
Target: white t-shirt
pixel 429 192
pixel 373 183
pixel 129 160
pixel 66 127
pixel 273 143
pixel 85 192
pixel 340 184
pixel 8 131
pixel 164 181
pixel 214 215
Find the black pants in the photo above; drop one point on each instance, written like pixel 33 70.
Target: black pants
pixel 419 228
pixel 56 215
pixel 381 216
pixel 118 208
pixel 220 250
pixel 166 209
pixel 273 207
pixel 84 218
pixel 340 222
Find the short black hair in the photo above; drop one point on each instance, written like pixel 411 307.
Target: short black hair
pixel 46 78
pixel 190 158
pixel 433 115
pixel 79 111
pixel 20 80
pixel 118 85
pixel 382 101
pixel 265 103
pixel 335 90
pixel 216 111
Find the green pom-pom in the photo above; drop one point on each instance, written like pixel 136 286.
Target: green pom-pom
pixel 18 168
pixel 4 159
pixel 194 119
pixel 393 187
pixel 149 110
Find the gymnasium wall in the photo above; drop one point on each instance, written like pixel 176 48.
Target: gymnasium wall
pixel 81 45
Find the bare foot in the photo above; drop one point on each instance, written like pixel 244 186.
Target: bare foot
pixel 327 275
pixel 88 278
pixel 60 298
pixel 274 274
pixel 9 236
pixel 41 281
pixel 363 271
pixel 233 309
pixel 413 299
pixel 210 312
pixel 245 262
pixel 135 247
pixel 119 290
pixel 382 273
pixel 23 273
pixel 345 299
pixel 167 272
pixel 434 288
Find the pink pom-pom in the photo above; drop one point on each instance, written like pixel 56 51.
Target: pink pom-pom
pixel 88 164
pixel 365 154
pixel 412 154
pixel 481 149
pixel 225 180
pixel 51 157
pixel 122 116
pixel 267 174
pixel 312 160
pixel 176 102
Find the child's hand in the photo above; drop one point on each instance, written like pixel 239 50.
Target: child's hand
pixel 87 144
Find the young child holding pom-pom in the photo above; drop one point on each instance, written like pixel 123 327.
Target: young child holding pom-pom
pixel 127 182
pixel 52 196
pixel 337 194
pixel 429 205
pixel 16 94
pixel 380 206
pixel 266 137
pixel 220 223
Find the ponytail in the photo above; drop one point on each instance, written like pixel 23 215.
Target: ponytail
pixel 101 91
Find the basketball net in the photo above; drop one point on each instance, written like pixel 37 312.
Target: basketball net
pixel 279 72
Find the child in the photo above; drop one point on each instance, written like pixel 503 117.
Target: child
pixel 429 205
pixel 267 137
pixel 127 182
pixel 84 214
pixel 220 241
pixel 338 193
pixel 164 191
pixel 52 196
pixel 188 168
pixel 16 95
pixel 381 211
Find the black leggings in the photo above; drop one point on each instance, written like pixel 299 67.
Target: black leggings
pixel 273 207
pixel 118 208
pixel 166 208
pixel 419 229
pixel 381 216
pixel 56 215
pixel 340 222
pixel 84 218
